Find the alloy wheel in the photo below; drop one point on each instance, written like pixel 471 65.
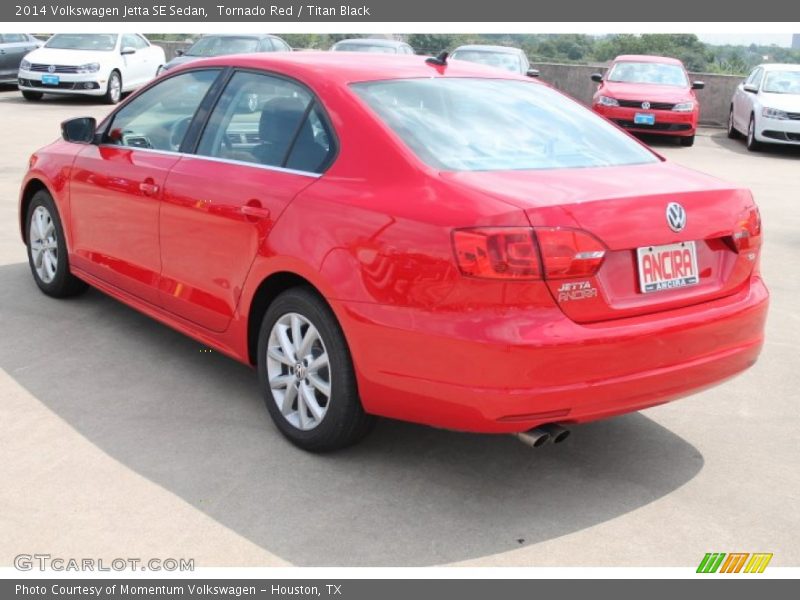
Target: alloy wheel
pixel 298 371
pixel 44 244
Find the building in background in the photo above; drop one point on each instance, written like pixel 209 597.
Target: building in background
pixel 796 41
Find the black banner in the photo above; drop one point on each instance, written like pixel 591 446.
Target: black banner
pixel 441 11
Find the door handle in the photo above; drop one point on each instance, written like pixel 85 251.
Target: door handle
pixel 259 212
pixel 148 188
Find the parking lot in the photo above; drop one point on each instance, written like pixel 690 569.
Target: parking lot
pixel 123 438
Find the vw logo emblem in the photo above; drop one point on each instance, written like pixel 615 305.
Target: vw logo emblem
pixel 645 105
pixel 676 216
pixel 51 68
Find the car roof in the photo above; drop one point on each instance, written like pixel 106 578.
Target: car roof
pixel 648 58
pixel 371 42
pixel 780 67
pixel 347 67
pixel 489 48
pixel 239 35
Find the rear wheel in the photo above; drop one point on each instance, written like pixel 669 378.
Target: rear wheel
pixel 47 249
pixel 114 89
pixel 687 141
pixel 733 133
pixel 307 374
pixel 32 95
pixel 752 143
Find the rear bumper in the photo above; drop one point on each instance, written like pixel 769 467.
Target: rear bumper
pixel 667 122
pixel 512 372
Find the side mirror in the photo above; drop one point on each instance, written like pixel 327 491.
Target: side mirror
pixel 128 50
pixel 79 130
pixel 532 72
pixel 180 52
pixel 598 77
pixel 750 88
pixel 698 85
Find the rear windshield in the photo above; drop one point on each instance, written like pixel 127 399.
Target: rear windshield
pixel 217 46
pixel 648 72
pixel 782 82
pixel 501 60
pixel 469 124
pixel 83 41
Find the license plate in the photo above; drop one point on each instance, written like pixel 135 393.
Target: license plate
pixel 644 119
pixel 50 80
pixel 667 267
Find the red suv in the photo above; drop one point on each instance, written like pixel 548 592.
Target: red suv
pixel 649 94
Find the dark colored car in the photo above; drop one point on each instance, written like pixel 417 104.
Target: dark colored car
pixel 375 46
pixel 229 43
pixel 13 46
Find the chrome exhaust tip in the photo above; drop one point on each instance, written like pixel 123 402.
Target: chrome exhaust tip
pixel 534 438
pixel 557 433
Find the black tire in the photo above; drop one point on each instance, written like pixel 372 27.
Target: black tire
pixel 687 141
pixel 733 133
pixel 753 145
pixel 113 94
pixel 344 422
pixel 63 283
pixel 33 96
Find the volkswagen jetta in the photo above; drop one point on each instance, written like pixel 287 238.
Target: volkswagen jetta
pixel 402 237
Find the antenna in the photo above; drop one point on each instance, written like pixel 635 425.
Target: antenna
pixel 440 60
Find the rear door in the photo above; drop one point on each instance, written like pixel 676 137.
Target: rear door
pixel 117 185
pixel 220 204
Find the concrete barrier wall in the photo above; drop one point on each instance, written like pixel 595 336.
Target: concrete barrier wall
pixel 715 98
pixel 576 81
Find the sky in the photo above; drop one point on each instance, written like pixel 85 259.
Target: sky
pixel 745 39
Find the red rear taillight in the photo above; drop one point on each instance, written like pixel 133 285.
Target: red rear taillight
pixel 747 236
pixel 497 252
pixel 512 252
pixel 569 253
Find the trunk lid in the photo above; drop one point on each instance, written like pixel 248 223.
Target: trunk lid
pixel 625 208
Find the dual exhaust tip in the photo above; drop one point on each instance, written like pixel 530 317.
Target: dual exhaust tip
pixel 539 436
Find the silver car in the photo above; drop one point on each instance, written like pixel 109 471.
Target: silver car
pixel 13 47
pixel 500 57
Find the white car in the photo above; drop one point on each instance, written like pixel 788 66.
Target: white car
pixel 766 106
pixel 97 64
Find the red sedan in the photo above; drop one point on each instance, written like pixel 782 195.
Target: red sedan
pixel 649 94
pixel 402 237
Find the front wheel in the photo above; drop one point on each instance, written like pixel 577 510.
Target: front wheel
pixel 47 249
pixel 687 141
pixel 114 89
pixel 752 143
pixel 307 375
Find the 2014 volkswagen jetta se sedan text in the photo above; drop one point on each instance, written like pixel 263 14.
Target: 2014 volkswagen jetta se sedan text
pixel 401 237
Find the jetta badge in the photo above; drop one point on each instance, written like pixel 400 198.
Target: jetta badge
pixel 676 216
pixel 645 105
pixel 51 68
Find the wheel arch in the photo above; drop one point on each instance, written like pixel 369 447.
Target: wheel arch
pixel 269 289
pixel 33 186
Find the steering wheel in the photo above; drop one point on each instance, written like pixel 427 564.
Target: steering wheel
pixel 177 132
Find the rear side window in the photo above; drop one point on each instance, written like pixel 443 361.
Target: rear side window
pixel 159 118
pixel 13 38
pixel 268 121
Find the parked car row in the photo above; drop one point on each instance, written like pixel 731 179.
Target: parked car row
pixel 640 93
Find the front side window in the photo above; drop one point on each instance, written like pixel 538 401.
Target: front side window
pixel 267 121
pixel 648 72
pixel 219 45
pixel 471 124
pixel 782 82
pixel 13 38
pixel 499 60
pixel 133 41
pixel 755 77
pixel 98 42
pixel 159 118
